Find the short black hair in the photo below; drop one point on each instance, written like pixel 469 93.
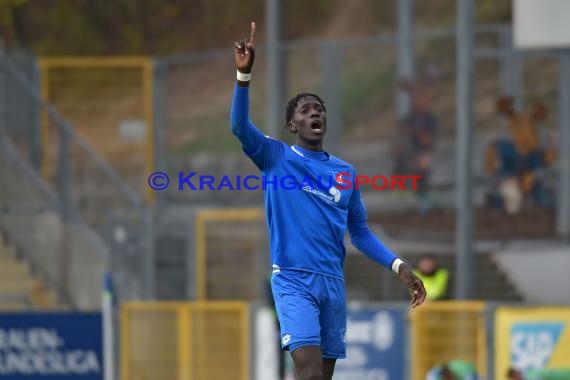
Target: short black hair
pixel 292 105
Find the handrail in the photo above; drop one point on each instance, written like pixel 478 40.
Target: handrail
pixel 65 126
pixel 12 155
pixel 60 199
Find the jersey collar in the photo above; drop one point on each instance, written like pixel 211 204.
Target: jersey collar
pixel 305 153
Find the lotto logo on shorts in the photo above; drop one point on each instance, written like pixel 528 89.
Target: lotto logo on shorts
pixel 286 339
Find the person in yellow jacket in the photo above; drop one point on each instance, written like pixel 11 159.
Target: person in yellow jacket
pixel 435 278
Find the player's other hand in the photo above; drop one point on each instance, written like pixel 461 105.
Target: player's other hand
pixel 416 286
pixel 244 52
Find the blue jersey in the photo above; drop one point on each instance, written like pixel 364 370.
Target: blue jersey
pixel 307 213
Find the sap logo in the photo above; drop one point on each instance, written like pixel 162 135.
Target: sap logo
pixel 532 344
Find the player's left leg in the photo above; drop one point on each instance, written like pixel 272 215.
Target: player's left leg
pixel 328 368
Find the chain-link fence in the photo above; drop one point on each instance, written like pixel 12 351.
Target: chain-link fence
pixel 103 222
pixel 358 79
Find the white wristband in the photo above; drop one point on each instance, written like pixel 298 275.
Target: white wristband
pixel 243 77
pixel 396 265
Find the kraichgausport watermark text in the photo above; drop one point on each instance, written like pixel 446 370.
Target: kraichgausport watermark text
pixel 340 181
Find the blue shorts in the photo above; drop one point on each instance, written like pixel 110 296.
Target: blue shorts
pixel 312 311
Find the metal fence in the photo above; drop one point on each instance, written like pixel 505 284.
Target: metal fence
pixel 215 340
pixel 98 221
pixel 109 102
pixel 191 111
pixel 185 341
pixel 442 332
pixel 358 79
pixel 223 258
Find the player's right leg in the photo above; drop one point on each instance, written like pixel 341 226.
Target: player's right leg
pixel 298 314
pixel 308 363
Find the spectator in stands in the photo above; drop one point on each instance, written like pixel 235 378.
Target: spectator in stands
pixel 435 278
pixel 539 374
pixel 516 162
pixel 503 162
pixel 453 370
pixel 414 147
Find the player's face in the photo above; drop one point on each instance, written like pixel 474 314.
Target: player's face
pixel 309 122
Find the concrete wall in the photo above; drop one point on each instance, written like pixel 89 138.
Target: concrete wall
pixel 540 271
pixel 61 255
pixel 75 268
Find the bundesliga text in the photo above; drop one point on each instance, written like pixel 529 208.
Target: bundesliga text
pixel 341 181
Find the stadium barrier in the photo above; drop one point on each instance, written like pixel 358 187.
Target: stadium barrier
pixel 217 232
pixel 51 345
pixel 225 339
pixel 531 338
pixel 443 331
pixel 185 340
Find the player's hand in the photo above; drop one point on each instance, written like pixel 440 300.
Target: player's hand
pixel 244 52
pixel 414 284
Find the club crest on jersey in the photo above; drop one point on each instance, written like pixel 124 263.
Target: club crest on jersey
pixel 338 177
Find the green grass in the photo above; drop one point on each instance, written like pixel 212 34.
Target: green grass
pixel 367 89
pixel 212 134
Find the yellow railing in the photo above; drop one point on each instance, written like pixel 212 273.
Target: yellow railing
pixel 204 216
pixel 185 341
pixel 443 331
pixel 87 84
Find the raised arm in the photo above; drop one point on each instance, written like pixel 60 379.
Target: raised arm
pixel 244 52
pixel 367 243
pixel 262 150
pixel 240 124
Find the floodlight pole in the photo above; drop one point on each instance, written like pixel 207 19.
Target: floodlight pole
pixel 276 67
pixel 405 50
pixel 512 75
pixel 464 141
pixel 563 221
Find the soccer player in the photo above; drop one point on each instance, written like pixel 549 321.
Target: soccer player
pixel 307 225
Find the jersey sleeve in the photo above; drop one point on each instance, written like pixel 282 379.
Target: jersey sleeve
pixel 263 150
pixel 361 236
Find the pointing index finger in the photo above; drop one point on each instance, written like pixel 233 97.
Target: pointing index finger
pixel 252 38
